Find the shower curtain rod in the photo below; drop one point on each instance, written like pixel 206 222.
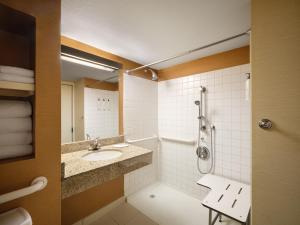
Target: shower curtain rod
pixel 191 51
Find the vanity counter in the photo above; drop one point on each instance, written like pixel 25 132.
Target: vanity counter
pixel 79 174
pixel 74 164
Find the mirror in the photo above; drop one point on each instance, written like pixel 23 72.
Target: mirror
pixel 89 96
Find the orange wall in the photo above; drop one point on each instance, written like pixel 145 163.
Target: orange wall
pixel 275 48
pixel 218 61
pixel 83 204
pixel 44 206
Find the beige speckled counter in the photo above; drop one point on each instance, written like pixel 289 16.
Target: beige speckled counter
pixel 79 175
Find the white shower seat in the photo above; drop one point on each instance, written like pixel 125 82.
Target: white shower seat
pixel 227 197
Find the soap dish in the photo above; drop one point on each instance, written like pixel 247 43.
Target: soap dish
pixel 121 145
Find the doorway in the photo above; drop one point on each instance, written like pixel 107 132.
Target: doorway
pixel 67 112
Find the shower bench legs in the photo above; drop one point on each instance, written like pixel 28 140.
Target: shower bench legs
pixel 226 197
pixel 212 221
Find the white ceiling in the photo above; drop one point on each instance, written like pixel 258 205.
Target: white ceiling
pixel 149 30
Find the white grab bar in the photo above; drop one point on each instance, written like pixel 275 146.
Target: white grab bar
pixel 190 142
pixel 37 184
pixel 143 139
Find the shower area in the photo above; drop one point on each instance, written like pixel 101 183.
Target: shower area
pixel 195 124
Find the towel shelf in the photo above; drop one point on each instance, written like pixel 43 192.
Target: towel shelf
pixel 8 88
pixel 37 184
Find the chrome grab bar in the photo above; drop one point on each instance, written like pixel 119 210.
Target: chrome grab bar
pixel 142 139
pixel 37 184
pixel 183 141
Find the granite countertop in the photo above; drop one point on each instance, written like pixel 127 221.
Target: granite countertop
pixel 73 164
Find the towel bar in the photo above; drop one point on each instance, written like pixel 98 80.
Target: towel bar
pixel 37 184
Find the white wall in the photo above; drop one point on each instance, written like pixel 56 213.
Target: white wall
pixel 226 108
pixel 140 121
pixel 101 114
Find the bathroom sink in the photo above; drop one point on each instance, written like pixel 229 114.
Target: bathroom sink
pixel 105 154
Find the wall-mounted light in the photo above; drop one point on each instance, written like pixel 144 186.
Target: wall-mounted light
pixel 87 59
pixel 86 62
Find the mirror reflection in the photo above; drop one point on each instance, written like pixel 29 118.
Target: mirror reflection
pixel 89 96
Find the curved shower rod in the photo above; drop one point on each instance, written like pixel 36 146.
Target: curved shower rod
pixel 191 51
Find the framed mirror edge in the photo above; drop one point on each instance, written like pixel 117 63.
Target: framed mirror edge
pixel 65 41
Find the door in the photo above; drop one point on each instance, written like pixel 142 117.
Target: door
pixel 275 53
pixel 66 113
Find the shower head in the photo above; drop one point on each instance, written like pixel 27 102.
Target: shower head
pixel 197 102
pixel 153 73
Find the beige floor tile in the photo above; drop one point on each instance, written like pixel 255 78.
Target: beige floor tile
pixel 141 219
pixel 106 220
pixel 123 214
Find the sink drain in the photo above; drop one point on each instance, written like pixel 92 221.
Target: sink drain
pixel 152 196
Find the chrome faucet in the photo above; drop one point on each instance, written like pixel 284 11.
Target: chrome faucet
pixel 95 145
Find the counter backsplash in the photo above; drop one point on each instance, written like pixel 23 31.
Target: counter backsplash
pixel 80 145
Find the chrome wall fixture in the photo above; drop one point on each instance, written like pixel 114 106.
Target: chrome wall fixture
pixel 265 124
pixel 202 151
pixel 154 76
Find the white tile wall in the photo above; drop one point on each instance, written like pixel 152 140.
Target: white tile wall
pixel 172 109
pixel 140 121
pixel 101 113
pixel 226 107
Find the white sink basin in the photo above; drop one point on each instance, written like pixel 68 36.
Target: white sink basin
pixel 105 154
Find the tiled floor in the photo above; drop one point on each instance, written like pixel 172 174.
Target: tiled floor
pixel 125 214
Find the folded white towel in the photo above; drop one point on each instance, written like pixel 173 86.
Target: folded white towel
pixel 15 125
pixel 13 151
pixel 13 109
pixel 16 78
pixel 24 138
pixel 16 71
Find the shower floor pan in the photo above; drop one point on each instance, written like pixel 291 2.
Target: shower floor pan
pixel 168 206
